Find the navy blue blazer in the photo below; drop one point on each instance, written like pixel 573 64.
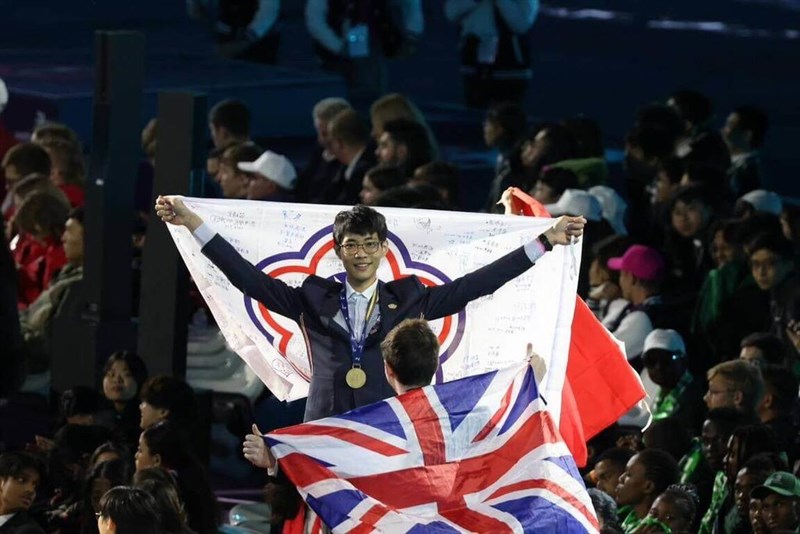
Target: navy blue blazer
pixel 315 303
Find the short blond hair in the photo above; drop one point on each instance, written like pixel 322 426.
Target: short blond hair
pixel 743 377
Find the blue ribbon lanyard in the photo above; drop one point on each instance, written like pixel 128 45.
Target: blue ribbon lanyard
pixel 357 345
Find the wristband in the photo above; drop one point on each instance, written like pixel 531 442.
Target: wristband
pixel 548 246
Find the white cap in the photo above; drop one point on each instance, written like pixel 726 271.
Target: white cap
pixel 613 207
pixel 577 202
pixel 273 167
pixel 664 339
pixel 763 200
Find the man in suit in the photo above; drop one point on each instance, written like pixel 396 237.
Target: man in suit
pixel 344 323
pixel 20 474
pixel 351 145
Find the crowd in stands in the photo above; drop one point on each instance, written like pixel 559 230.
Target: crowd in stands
pixel 687 259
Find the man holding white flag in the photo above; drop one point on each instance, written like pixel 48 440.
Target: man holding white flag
pixel 343 323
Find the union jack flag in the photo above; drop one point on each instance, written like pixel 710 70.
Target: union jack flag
pixel 480 454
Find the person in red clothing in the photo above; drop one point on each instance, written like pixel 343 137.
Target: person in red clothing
pixel 20 161
pixel 68 168
pixel 42 216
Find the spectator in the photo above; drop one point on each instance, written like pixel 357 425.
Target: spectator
pixel 665 183
pixel 100 480
pixel 110 450
pixel 691 213
pixel 776 406
pixel 166 398
pixel 163 445
pixel 609 467
pixel 641 271
pixel 670 435
pixel 588 158
pixel 54 131
pixel 78 406
pixel 379 179
pixel 20 476
pixel 64 297
pixel 744 132
pixel 322 166
pixel 123 376
pixel 758 200
pixel 35 184
pixel 495 55
pixel 356 42
pixel 67 169
pixel 762 349
pixel 552 183
pixel 675 508
pixel 41 216
pixel 229 122
pixel 779 502
pixel 20 161
pixel 126 510
pixel 420 196
pixel 272 177
pixel 679 394
pixel 753 473
pixel 403 143
pixel 396 106
pixel 545 146
pixel 233 181
pixel 504 130
pixel 773 268
pixel 713 180
pixel 604 287
pixel 646 476
pixel 700 143
pixel 161 485
pixel 735 384
pixel 444 177
pixel 349 143
pixel 606 511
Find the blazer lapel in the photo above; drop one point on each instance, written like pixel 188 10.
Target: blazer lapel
pixel 329 307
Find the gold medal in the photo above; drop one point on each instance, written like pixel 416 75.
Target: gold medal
pixel 356 378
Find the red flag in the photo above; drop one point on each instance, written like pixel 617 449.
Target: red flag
pixel 600 385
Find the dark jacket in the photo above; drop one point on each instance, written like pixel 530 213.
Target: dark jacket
pixel 315 303
pixel 315 178
pixel 21 523
pixel 343 190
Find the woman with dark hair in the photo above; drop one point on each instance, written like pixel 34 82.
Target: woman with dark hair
pixel 123 376
pixel 504 130
pixel 164 446
pixel 546 145
pixel 162 486
pixel 110 450
pixel 101 478
pixel 379 179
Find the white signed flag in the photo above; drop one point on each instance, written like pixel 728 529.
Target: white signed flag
pixel 292 241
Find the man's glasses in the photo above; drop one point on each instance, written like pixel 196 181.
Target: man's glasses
pixel 370 247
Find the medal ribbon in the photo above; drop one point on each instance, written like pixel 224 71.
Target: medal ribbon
pixel 357 344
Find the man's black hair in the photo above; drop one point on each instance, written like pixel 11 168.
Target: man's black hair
pixel 359 220
pixel 660 468
pixel 132 510
pixel 173 394
pixel 77 214
pixel 232 115
pixel 618 456
pixel 775 243
pixel 511 118
pixel 415 137
pixel 755 121
pixel 135 363
pixel 558 179
pixel 411 350
pixel 692 106
pixel 727 418
pixel 783 386
pixel 14 463
pixel 769 344
pixel 28 158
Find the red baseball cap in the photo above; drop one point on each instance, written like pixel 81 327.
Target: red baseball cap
pixel 641 261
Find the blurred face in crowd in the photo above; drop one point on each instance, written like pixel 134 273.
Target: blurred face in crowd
pixel 534 150
pixel 12 176
pixel 544 193
pixel 259 188
pixel 768 268
pixel 492 132
pixel 17 492
pixel 688 219
pixel 663 188
pixel 72 240
pixel 99 488
pixel 119 385
pixel 664 367
pixel 753 355
pixel 779 512
pixel 144 458
pixel 730 462
pixel 757 522
pixel 626 281
pixel 714 444
pixel 746 480
pixel 323 137
pixel 151 415
pixel 723 252
pixel 665 510
pixel 233 183
pixel 633 486
pixel 606 475
pixel 721 393
pixel 390 152
pixel 737 139
pixel 369 193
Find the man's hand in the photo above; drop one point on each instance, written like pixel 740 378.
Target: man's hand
pixel 537 364
pixel 172 210
pixel 256 450
pixel 565 228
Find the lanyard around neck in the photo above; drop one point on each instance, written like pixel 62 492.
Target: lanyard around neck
pixel 357 344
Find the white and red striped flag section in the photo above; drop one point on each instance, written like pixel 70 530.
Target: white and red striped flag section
pixel 479 454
